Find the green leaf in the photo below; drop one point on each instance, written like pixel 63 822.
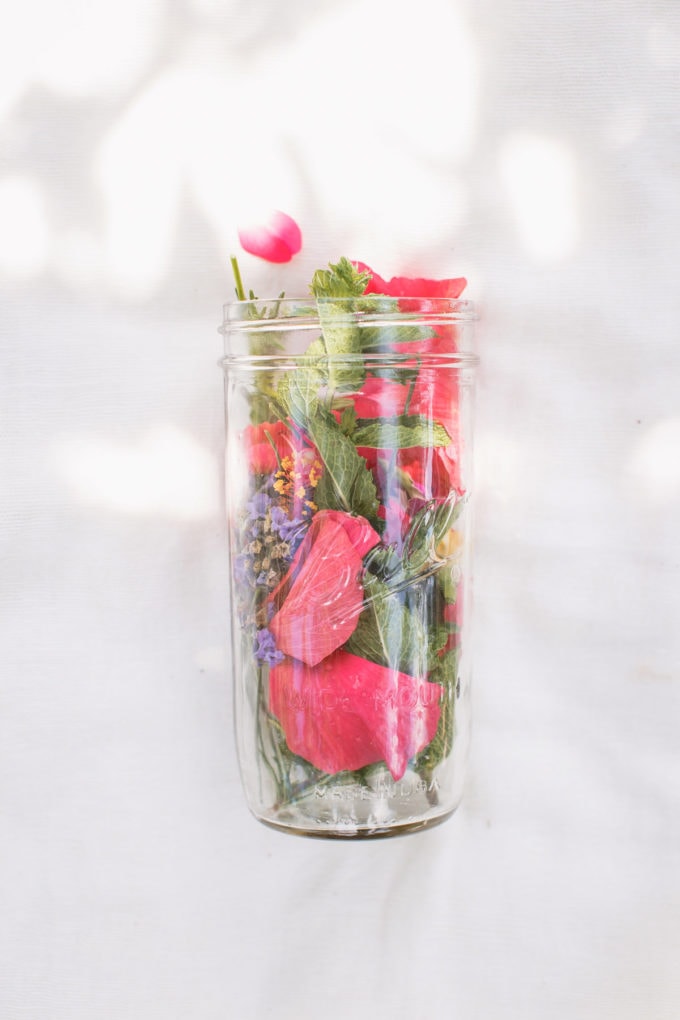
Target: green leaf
pixel 334 289
pixel 384 563
pixel 428 527
pixel 261 403
pixel 377 339
pixel 396 372
pixel 386 338
pixel 392 629
pixel 449 579
pixel 298 393
pixel 261 344
pixel 340 280
pixel 404 630
pixel 345 366
pixel 346 483
pixel 348 420
pixel 399 433
pixel 446 674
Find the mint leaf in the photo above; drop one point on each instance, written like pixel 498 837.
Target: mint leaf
pixel 299 392
pixel 345 366
pixel 392 629
pixel 341 280
pixel 449 579
pixel 346 483
pixel 380 339
pixel 261 344
pixel 348 420
pixel 406 632
pixel 428 527
pixel 335 289
pixel 446 674
pixel 399 433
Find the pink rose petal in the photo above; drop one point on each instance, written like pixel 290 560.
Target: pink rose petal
pixel 263 458
pixel 348 712
pixel 321 596
pixel 275 241
pixel 405 286
pixel 307 701
pixel 287 229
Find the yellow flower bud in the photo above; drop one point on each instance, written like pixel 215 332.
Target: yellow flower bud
pixel 450 545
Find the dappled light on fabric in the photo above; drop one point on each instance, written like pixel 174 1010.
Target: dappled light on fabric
pixel 24 235
pixel 654 464
pixel 540 181
pixel 166 474
pixel 170 145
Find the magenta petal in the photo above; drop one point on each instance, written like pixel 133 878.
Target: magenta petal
pixel 275 241
pixel 404 286
pixel 322 607
pixel 376 284
pixel 417 287
pixel 321 596
pixel 359 532
pixel 348 712
pixel 285 227
pixel 307 701
pixel 259 241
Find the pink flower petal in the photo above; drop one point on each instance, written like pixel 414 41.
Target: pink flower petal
pixel 404 286
pixel 286 228
pixel 434 396
pixel 348 712
pixel 321 596
pixel 275 241
pixel 262 457
pixel 307 701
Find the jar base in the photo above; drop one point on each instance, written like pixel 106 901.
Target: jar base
pixel 359 832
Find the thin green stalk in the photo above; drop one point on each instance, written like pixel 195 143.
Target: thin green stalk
pixel 240 291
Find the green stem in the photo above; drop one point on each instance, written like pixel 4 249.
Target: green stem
pixel 411 388
pixel 261 723
pixel 240 292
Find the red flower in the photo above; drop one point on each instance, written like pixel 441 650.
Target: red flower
pixel 434 470
pixel 348 712
pixel 321 596
pixel 276 241
pixel 435 394
pixel 453 615
pixel 403 286
pixel 262 455
pixel 432 397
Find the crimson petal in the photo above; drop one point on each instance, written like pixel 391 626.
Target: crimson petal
pixel 347 712
pixel 275 241
pixel 321 596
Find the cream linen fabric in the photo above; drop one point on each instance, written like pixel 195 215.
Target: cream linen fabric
pixel 531 146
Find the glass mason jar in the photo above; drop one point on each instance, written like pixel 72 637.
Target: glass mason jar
pixel 348 482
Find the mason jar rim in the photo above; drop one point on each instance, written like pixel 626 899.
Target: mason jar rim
pixel 283 362
pixel 277 314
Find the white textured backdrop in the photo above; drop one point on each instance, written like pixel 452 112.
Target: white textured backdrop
pixel 535 148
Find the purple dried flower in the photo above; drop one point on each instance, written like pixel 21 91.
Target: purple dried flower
pixel 243 569
pixel 284 527
pixel 265 647
pixel 258 505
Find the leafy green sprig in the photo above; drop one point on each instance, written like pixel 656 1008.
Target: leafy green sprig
pixel 340 280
